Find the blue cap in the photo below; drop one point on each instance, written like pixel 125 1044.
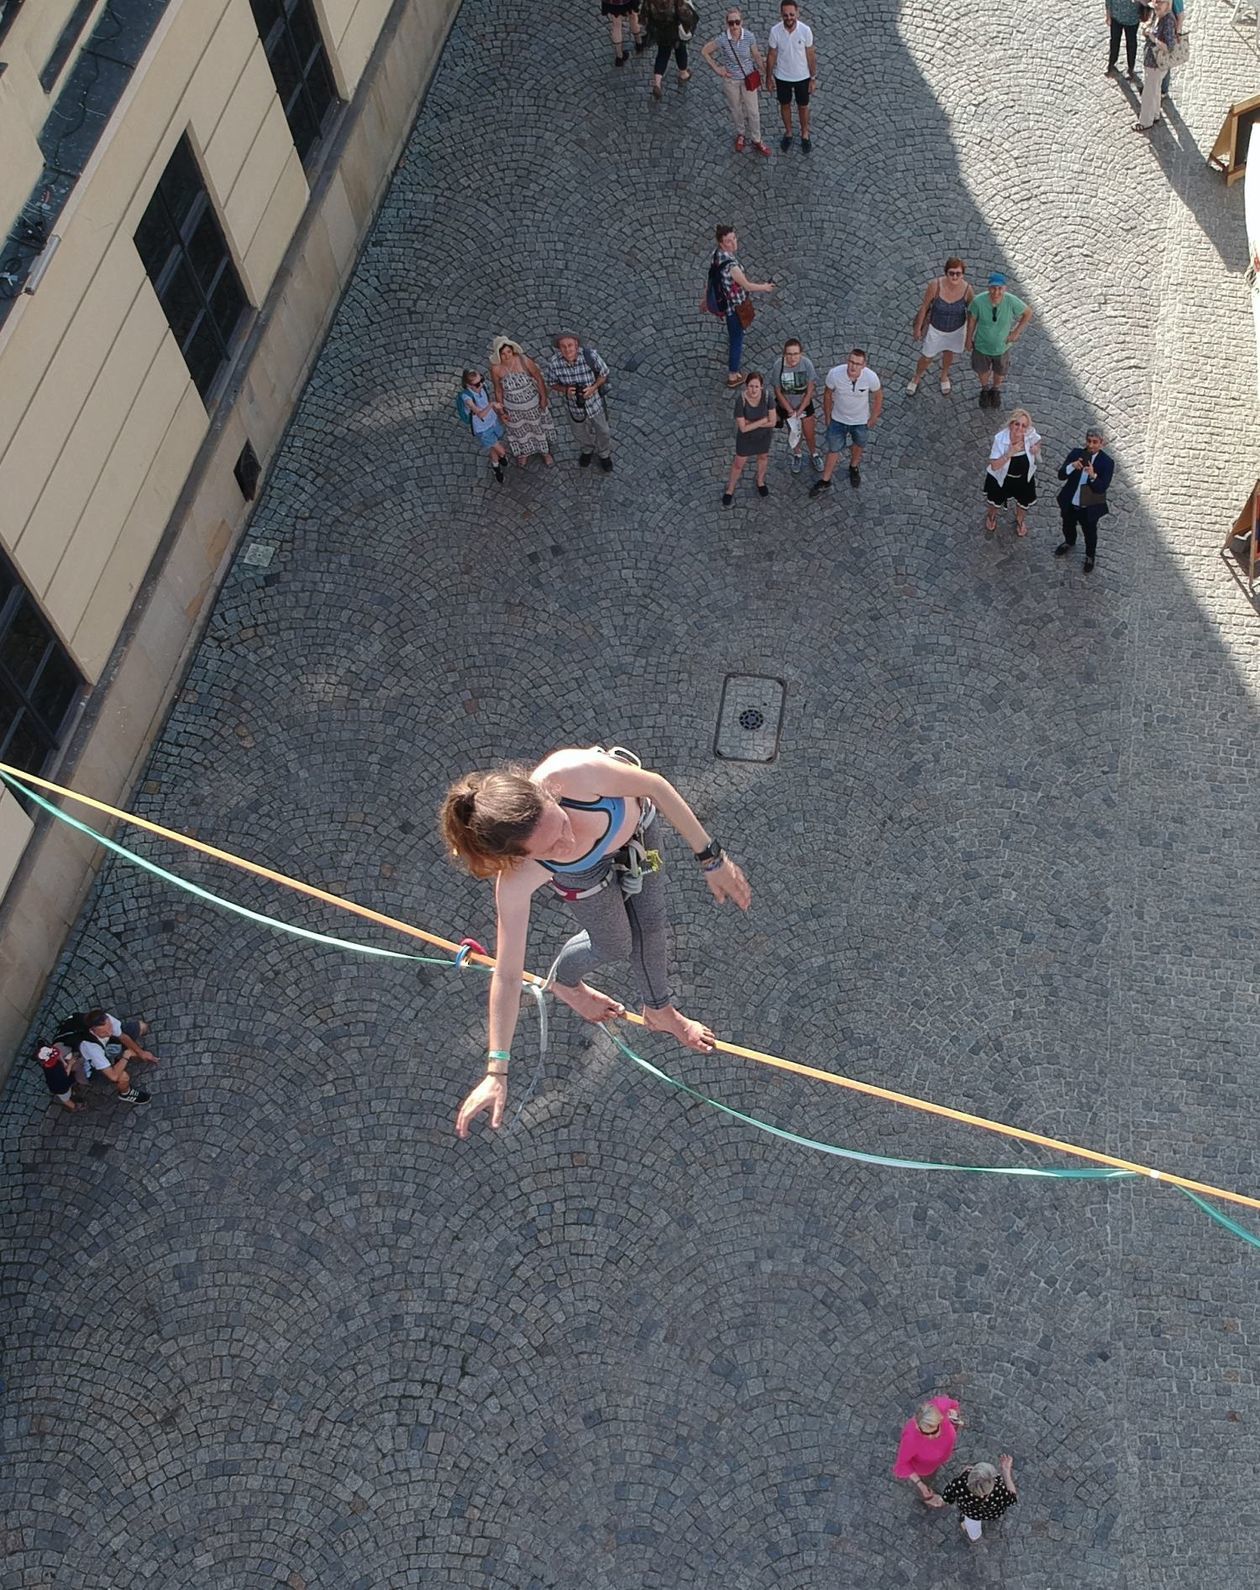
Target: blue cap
pixel 997 279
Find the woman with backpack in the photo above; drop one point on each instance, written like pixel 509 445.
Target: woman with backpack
pixel 669 25
pixel 726 296
pixel 478 412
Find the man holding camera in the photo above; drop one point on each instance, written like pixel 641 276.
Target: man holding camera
pixel 577 374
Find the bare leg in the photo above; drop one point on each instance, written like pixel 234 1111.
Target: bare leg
pixel 589 1004
pixel 732 480
pixel 763 463
pixel 921 369
pixel 803 112
pixel 809 430
pixel 692 1034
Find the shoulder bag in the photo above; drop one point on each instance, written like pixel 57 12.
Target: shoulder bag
pixel 752 80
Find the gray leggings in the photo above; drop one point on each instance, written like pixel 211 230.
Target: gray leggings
pixel 619 927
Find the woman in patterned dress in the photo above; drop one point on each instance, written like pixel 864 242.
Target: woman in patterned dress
pixel 520 394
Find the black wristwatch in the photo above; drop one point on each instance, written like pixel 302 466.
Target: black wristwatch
pixel 711 852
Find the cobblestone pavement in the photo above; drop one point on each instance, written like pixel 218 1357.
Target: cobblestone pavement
pixel 281 1327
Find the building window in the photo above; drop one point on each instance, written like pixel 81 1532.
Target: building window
pixel 184 251
pixel 39 685
pixel 295 52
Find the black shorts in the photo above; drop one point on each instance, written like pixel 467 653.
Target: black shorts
pixel 785 91
pixel 618 8
pixel 807 413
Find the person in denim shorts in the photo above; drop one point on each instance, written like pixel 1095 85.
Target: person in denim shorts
pixel 853 399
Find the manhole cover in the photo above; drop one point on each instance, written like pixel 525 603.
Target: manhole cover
pixel 749 718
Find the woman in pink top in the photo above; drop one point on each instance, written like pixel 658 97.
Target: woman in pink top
pixel 926 1442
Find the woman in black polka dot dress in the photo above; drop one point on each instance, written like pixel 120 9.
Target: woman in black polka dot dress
pixel 980 1495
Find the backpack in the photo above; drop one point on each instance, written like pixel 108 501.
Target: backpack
pixel 463 409
pixel 72 1030
pixel 714 300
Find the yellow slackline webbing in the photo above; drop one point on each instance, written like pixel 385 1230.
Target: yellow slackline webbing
pixel 889 1095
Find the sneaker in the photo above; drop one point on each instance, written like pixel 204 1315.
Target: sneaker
pixel 606 465
pixel 983 399
pixel 855 476
pixel 1088 566
pixel 806 145
pixel 763 491
pixel 739 144
pixel 639 46
pixel 584 461
pixel 785 143
pixel 134 1096
pixel 912 386
pixel 498 471
pixel 798 460
pixel 820 463
pixel 620 59
pixel 819 485
pixel 727 499
pixel 762 149
pixel 1062 550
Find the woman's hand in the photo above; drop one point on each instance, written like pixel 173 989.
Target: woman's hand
pixel 728 882
pixel 489 1094
pixel 955 1418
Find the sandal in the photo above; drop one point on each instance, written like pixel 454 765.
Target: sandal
pixel 734 380
pixel 1021 529
pixel 990 522
pixel 947 386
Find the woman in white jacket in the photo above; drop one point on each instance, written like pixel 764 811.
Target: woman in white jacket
pixel 1012 471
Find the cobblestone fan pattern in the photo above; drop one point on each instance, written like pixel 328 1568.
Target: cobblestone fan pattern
pixel 280 1327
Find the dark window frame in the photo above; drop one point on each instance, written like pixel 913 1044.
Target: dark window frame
pixel 312 100
pixel 20 711
pixel 178 221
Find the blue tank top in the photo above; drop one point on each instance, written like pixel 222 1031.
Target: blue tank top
pixel 615 806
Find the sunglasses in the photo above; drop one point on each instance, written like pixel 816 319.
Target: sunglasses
pixel 953 273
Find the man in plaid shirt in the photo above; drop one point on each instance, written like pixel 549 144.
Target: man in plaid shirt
pixel 577 374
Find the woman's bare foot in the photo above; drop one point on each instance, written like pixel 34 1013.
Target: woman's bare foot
pixel 692 1034
pixel 588 1004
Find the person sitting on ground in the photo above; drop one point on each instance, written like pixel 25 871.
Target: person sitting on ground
pixel 106 1044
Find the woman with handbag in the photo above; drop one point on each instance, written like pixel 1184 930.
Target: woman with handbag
pixel 727 296
pixel 669 25
pixel 1160 34
pixel 737 59
pixel 941 323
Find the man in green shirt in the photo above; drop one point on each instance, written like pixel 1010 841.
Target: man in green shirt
pixel 995 321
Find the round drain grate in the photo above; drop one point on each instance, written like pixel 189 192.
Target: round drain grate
pixel 751 719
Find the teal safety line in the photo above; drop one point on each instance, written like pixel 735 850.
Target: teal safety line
pixel 889 1161
pixel 1221 1219
pixel 216 899
pixel 1097 1174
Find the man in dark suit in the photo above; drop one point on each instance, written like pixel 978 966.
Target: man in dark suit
pixel 1083 500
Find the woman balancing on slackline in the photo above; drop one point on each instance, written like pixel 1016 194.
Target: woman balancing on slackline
pixel 585 823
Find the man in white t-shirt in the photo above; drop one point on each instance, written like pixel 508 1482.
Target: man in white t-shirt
pixel 105 1044
pixel 792 69
pixel 853 400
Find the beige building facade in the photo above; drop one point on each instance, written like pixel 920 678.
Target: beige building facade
pixel 185 187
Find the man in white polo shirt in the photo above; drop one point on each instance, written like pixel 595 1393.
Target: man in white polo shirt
pixel 792 67
pixel 853 400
